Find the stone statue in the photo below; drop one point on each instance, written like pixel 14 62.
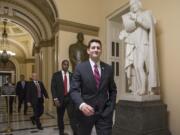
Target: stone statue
pixel 78 51
pixel 141 58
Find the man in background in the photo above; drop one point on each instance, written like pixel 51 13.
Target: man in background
pixel 10 91
pixel 35 97
pixel 60 86
pixel 21 90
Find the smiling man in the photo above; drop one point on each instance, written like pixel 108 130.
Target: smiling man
pixel 93 90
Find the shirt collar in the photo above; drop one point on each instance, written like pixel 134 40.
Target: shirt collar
pixel 93 63
pixel 64 72
pixel 35 81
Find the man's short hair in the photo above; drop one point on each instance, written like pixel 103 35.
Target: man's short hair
pixel 94 40
pixel 65 61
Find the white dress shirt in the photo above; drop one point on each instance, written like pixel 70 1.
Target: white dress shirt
pixel 92 63
pixel 68 81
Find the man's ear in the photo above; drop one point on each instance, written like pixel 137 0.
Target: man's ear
pixel 88 51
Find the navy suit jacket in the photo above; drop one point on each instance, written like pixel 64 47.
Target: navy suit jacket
pixel 57 85
pixel 20 91
pixel 32 96
pixel 83 88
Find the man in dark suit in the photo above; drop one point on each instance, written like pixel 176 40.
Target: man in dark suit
pixel 21 89
pixel 35 97
pixel 94 92
pixel 60 85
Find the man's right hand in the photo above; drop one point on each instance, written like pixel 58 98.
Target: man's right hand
pixel 87 110
pixel 57 103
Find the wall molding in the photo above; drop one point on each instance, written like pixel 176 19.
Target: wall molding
pixel 30 60
pixel 70 26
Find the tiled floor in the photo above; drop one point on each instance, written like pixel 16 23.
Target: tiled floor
pixel 22 125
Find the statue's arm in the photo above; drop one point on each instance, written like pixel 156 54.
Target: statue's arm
pixel 123 35
pixel 144 20
pixel 71 55
pixel 129 22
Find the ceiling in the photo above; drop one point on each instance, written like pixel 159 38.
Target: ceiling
pixel 30 22
pixel 36 16
pixel 20 41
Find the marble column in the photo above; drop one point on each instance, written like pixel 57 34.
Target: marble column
pixel 45 62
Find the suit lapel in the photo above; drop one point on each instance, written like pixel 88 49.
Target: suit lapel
pixel 33 85
pixel 90 75
pixel 102 66
pixel 60 75
pixel 70 76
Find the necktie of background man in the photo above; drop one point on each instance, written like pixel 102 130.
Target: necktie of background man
pixel 65 84
pixel 38 89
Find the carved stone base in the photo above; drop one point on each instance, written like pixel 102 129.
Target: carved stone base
pixel 131 97
pixel 141 118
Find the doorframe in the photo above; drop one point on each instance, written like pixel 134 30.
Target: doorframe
pixel 11 73
pixel 119 12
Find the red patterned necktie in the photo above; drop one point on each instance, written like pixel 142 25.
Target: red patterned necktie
pixel 38 89
pixel 65 84
pixel 96 75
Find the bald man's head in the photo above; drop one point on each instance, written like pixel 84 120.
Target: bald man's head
pixel 34 76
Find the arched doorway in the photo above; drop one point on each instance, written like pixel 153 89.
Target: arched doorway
pixel 7 70
pixel 38 18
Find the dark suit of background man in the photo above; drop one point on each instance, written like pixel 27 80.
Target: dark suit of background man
pixel 94 92
pixel 35 96
pixel 21 89
pixel 60 85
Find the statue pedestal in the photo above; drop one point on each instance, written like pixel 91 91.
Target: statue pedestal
pixel 131 97
pixel 140 118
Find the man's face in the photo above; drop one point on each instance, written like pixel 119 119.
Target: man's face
pixel 34 76
pixel 94 51
pixel 65 66
pixel 22 77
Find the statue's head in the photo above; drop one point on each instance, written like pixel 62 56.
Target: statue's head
pixel 80 36
pixel 135 5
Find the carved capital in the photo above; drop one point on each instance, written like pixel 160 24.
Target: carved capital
pixel 36 49
pixel 30 60
pixel 47 43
